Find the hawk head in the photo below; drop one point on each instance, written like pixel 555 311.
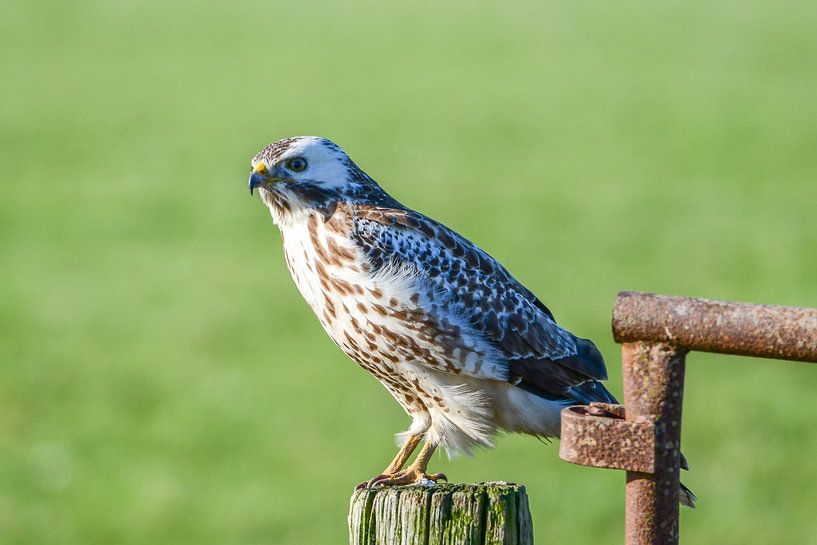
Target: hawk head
pixel 305 173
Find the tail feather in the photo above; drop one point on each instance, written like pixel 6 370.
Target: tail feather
pixel 685 496
pixel 587 360
pixel 591 391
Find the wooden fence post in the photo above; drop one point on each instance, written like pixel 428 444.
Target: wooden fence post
pixel 494 513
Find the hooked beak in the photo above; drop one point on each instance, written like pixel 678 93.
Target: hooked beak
pixel 258 177
pixel 262 176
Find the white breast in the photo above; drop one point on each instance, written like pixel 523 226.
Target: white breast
pixel 301 257
pixel 369 316
pixel 356 306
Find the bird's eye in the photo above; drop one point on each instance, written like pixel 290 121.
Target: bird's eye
pixel 296 164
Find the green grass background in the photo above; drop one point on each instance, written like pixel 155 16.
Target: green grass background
pixel 161 380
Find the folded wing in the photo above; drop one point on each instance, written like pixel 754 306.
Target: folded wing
pixel 540 355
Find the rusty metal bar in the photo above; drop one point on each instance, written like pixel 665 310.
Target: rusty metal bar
pixel 653 391
pixel 656 331
pixel 744 329
pixel 599 436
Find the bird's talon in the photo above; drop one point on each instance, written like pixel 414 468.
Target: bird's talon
pixel 377 480
pixel 407 476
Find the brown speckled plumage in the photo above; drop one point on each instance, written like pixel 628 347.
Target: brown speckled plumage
pixel 463 347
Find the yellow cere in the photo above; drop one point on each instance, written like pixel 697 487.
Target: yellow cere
pixel 260 168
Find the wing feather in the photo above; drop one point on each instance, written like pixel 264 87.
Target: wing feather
pixel 471 283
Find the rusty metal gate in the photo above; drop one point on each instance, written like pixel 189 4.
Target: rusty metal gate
pixel 656 332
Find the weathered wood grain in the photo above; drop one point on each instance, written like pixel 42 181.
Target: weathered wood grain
pixel 445 514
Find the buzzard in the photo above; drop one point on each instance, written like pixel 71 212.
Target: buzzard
pixel 464 347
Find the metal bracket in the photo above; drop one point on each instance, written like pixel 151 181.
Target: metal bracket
pixel 656 332
pixel 598 436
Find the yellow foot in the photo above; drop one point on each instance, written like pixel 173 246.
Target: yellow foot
pixel 413 474
pixel 407 476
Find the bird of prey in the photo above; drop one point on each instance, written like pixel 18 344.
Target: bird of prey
pixel 464 347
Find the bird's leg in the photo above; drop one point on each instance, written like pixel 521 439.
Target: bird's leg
pixel 403 454
pixel 399 460
pixel 414 473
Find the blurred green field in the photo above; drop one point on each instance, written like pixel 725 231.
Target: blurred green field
pixel 161 381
